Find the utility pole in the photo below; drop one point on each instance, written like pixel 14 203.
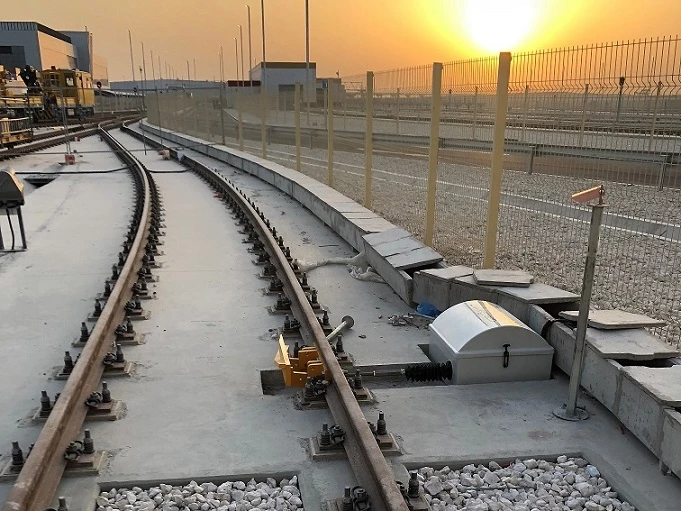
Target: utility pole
pixel 144 77
pixel 262 23
pixel 307 60
pixel 132 61
pixel 241 42
pixel 250 58
pixel 236 59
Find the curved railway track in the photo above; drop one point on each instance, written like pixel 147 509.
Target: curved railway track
pixel 366 459
pixel 43 469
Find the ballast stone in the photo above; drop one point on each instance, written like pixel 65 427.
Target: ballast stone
pixel 524 485
pixel 228 496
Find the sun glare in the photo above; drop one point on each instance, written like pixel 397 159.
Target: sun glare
pixel 499 25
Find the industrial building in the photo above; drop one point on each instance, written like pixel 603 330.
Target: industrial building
pixel 282 77
pixel 28 43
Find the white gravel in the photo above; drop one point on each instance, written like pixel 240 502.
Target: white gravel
pixel 569 484
pixel 227 496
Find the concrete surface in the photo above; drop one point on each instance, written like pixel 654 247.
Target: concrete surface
pixel 75 226
pixel 454 423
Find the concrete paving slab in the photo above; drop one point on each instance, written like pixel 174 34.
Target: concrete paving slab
pixel 538 293
pixel 350 207
pixel 372 225
pixel 662 383
pixel 419 258
pixel 400 246
pixel 392 234
pixel 629 344
pixel 360 215
pixel 449 273
pixel 612 319
pixel 503 278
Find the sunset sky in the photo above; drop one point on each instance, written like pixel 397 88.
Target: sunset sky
pixel 349 36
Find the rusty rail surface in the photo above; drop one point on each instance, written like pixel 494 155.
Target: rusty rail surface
pixel 40 476
pixel 366 459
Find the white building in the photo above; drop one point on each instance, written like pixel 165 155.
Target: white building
pixel 282 77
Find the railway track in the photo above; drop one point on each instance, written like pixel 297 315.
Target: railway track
pixel 41 472
pixel 436 425
pixel 363 452
pixel 57 137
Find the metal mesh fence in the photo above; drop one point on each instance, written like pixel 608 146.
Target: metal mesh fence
pixel 577 117
pixel 468 107
pixel 402 103
pixel 580 117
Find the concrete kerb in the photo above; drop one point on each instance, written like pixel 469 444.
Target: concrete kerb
pixel 648 419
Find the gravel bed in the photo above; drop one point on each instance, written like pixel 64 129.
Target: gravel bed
pixel 569 484
pixel 228 496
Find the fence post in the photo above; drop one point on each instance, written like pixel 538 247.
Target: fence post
pixel 397 113
pixel 296 120
pixel 263 120
pixel 583 121
pixel 196 115
pixel 525 99
pixel 240 128
pixel 475 113
pixel 222 112
pixel 497 159
pixel 329 128
pixel 652 127
pixel 433 152
pixel 369 141
pixel 345 110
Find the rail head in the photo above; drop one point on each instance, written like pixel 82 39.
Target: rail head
pixel 39 478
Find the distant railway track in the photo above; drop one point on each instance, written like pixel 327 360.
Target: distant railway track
pixel 52 138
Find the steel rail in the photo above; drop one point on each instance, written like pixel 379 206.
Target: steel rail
pixel 40 476
pixel 366 459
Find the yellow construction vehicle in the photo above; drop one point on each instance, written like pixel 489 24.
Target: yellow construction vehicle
pixel 47 95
